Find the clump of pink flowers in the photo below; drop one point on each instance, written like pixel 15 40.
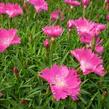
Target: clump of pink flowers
pixel 88 58
pixel 7 38
pixel 63 81
pixel 86 29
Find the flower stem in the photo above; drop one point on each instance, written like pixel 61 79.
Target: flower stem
pixel 93 44
pixel 104 4
pixel 9 22
pixel 52 40
pixel 107 27
pixel 47 55
pixel 1 20
pixel 68 37
pixel 84 12
pixel 78 69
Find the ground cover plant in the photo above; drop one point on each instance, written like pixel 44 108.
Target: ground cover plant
pixel 54 54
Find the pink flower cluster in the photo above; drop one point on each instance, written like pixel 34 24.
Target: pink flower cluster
pixel 9 36
pixel 87 31
pixel 10 9
pixel 63 81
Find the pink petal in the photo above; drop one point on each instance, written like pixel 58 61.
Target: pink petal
pixel 46 43
pixel 16 40
pixel 2 8
pixel 72 2
pixel 58 93
pixel 85 3
pixel 49 74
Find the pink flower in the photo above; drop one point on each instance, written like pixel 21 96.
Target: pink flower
pixel 53 31
pixel 13 10
pixel 39 5
pixel 89 62
pixel 87 29
pixel 63 81
pixel 2 8
pixel 106 1
pixel 46 43
pixel 85 3
pixel 107 17
pixel 72 2
pixel 55 14
pixel 70 24
pixel 7 38
pixel 98 45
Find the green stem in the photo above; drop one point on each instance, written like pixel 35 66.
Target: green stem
pixel 52 40
pixel 79 71
pixel 69 33
pixel 1 20
pixel 93 44
pixel 84 12
pixel 104 4
pixel 9 22
pixel 56 22
pixel 101 81
pixel 107 27
pixel 47 55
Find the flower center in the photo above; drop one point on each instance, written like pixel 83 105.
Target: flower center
pixel 84 29
pixel 60 82
pixel 7 42
pixel 85 65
